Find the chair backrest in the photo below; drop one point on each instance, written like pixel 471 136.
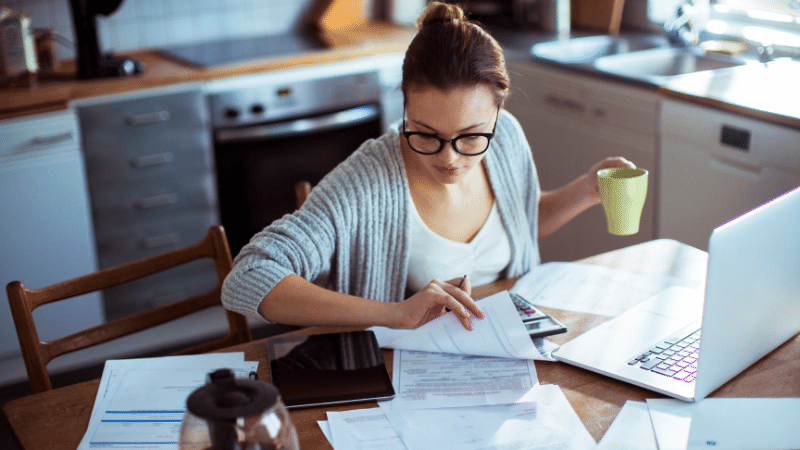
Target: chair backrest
pixel 301 191
pixel 37 353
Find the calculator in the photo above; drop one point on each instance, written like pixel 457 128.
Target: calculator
pixel 537 322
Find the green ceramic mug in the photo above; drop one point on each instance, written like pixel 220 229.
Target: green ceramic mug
pixel 623 192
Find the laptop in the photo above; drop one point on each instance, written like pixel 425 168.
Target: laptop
pixel 684 344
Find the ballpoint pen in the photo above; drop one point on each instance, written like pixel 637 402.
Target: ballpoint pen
pixel 460 283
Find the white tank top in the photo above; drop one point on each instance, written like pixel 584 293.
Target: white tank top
pixel 432 256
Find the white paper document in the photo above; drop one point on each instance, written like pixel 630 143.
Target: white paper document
pixel 501 333
pixel 726 423
pixel 590 288
pixel 362 429
pixel 631 429
pixel 326 430
pixel 424 380
pixel 544 420
pixel 141 403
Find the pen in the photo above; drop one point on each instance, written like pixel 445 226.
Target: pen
pixel 461 283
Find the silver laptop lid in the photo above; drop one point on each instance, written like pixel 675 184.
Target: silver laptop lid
pixel 752 299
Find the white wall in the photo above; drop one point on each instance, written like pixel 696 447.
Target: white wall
pixel 139 24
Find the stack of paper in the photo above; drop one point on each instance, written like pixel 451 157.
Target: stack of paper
pixel 464 389
pixel 141 402
pixel 712 423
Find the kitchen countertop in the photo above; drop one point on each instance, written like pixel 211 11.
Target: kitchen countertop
pixel 762 91
pixel 754 90
pixel 55 91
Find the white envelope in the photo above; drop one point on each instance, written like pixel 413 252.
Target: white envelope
pixel 726 423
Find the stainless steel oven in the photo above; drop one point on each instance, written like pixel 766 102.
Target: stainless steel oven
pixel 272 132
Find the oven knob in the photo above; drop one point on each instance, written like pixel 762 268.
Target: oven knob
pixel 257 109
pixel 231 113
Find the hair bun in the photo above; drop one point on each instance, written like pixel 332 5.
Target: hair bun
pixel 438 12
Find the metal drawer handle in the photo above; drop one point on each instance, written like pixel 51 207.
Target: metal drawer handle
pixel 147 118
pixel 50 140
pixel 564 103
pixel 160 241
pixel 152 160
pixel 155 201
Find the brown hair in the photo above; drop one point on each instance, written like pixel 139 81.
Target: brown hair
pixel 450 51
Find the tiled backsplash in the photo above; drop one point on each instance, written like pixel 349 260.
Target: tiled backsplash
pixel 141 24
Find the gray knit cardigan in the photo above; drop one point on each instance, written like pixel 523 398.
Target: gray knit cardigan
pixel 352 234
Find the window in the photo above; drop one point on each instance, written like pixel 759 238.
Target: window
pixel 766 9
pixel 767 22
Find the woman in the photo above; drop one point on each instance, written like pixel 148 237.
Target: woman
pixel 451 189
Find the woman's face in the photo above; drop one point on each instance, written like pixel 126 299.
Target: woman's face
pixel 448 114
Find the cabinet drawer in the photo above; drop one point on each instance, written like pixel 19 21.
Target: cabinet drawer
pixel 124 206
pixel 129 162
pixel 148 119
pixel 144 138
pixel 124 164
pixel 42 132
pixel 162 288
pixel 150 238
pixel 586 100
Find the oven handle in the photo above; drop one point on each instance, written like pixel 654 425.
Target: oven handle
pixel 327 122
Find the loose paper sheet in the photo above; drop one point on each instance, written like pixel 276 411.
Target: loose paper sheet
pixel 726 423
pixel 631 430
pixel 424 380
pixel 590 288
pixel 500 334
pixel 363 429
pixel 141 403
pixel 543 419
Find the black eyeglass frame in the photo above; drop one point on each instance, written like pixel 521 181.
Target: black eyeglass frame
pixel 453 141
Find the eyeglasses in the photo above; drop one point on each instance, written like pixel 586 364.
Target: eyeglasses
pixel 470 144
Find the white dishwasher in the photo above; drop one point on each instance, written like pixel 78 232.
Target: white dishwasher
pixel 716 166
pixel 45 231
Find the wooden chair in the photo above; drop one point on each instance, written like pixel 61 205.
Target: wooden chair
pixel 301 191
pixel 37 353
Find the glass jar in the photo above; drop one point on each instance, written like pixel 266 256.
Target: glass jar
pixel 230 413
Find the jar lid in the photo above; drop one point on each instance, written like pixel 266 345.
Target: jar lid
pixel 226 398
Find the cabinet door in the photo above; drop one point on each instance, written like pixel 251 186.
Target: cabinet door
pixel 572 122
pixel 45 231
pixel 710 178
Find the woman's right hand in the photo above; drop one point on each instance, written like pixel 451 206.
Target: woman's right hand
pixel 434 300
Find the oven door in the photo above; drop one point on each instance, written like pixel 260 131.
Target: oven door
pixel 258 165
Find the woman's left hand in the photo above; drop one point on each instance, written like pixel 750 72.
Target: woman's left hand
pixel 608 163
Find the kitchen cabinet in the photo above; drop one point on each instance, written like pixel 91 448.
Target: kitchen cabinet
pixel 390 75
pixel 46 233
pixel 572 121
pixel 151 176
pixel 717 165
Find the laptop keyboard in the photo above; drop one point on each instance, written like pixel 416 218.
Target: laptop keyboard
pixel 675 357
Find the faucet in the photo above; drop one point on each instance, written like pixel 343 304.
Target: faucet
pixel 681 30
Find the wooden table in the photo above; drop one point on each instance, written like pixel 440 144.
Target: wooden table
pixel 58 419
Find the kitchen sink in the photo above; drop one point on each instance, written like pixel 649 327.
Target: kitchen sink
pixel 646 58
pixel 585 50
pixel 656 64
